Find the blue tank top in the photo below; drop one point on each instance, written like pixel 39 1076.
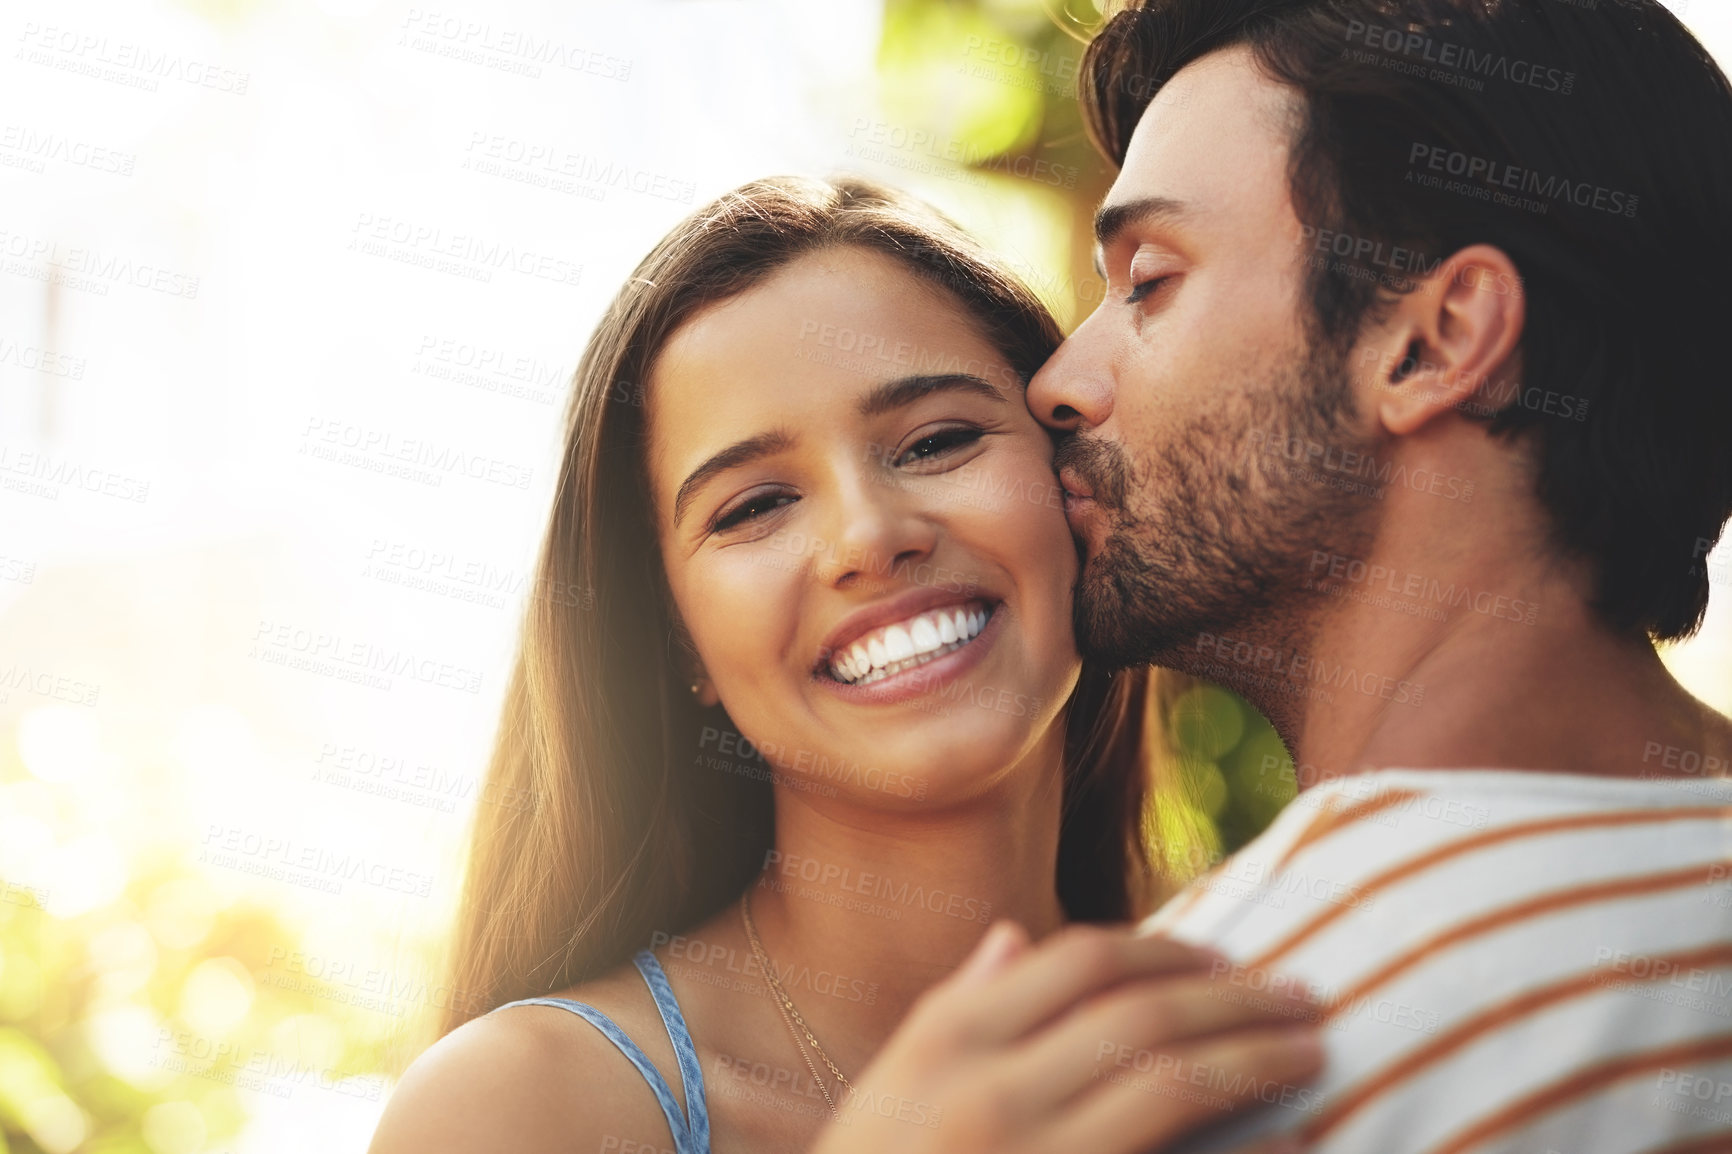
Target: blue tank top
pixel 691 1130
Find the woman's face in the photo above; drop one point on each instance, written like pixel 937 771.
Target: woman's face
pixel 862 532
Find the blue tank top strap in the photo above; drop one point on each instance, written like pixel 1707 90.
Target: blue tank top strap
pixel 691 1130
pixel 685 1050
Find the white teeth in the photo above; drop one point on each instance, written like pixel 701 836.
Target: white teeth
pixel 916 641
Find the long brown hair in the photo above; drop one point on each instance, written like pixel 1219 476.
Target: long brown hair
pixel 600 825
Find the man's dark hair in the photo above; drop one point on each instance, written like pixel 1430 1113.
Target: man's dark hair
pixel 1591 141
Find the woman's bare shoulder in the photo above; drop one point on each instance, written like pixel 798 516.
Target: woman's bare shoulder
pixel 530 1079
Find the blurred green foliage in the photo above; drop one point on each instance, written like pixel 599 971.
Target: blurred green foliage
pixel 141 1026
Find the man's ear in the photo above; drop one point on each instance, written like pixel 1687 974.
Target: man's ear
pixel 1444 343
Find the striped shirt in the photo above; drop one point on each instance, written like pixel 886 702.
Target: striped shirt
pixel 1506 961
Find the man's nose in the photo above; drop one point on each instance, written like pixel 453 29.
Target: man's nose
pixel 1074 389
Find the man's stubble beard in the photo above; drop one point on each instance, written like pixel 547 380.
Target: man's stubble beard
pixel 1213 531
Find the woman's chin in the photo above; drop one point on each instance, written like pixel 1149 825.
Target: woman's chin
pixel 953 757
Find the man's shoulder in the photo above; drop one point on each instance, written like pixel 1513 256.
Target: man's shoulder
pixel 1437 844
pixel 1488 945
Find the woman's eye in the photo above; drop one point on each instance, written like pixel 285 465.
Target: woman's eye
pixel 937 444
pixel 750 510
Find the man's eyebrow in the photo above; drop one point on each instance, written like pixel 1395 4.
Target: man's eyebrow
pixel 737 454
pixel 906 390
pixel 1113 219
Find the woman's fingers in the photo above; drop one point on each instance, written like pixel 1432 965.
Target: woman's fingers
pixel 1188 1086
pixel 1129 1026
pixel 1054 976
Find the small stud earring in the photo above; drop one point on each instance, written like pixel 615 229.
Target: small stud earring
pixel 697 687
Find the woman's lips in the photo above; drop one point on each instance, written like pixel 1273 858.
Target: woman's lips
pixel 919 679
pixel 913 640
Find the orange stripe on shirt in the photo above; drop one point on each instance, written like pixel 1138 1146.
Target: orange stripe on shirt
pixel 1579 1085
pixel 1573 897
pixel 1336 818
pixel 1486 840
pixel 1492 1019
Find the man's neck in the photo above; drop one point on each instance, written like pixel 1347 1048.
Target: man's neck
pixel 1490 661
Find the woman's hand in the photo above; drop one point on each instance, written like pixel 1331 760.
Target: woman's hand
pixel 1095 1040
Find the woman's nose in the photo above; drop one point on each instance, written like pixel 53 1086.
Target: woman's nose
pixel 874 528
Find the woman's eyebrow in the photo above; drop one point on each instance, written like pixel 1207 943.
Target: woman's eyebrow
pixel 737 454
pixel 906 390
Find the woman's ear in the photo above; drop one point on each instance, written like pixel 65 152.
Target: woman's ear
pixel 704 689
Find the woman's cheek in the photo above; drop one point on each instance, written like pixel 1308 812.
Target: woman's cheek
pixel 740 603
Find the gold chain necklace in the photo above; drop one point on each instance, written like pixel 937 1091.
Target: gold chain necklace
pixel 790 1014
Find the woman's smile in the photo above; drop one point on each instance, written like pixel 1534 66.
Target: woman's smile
pixel 916 655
